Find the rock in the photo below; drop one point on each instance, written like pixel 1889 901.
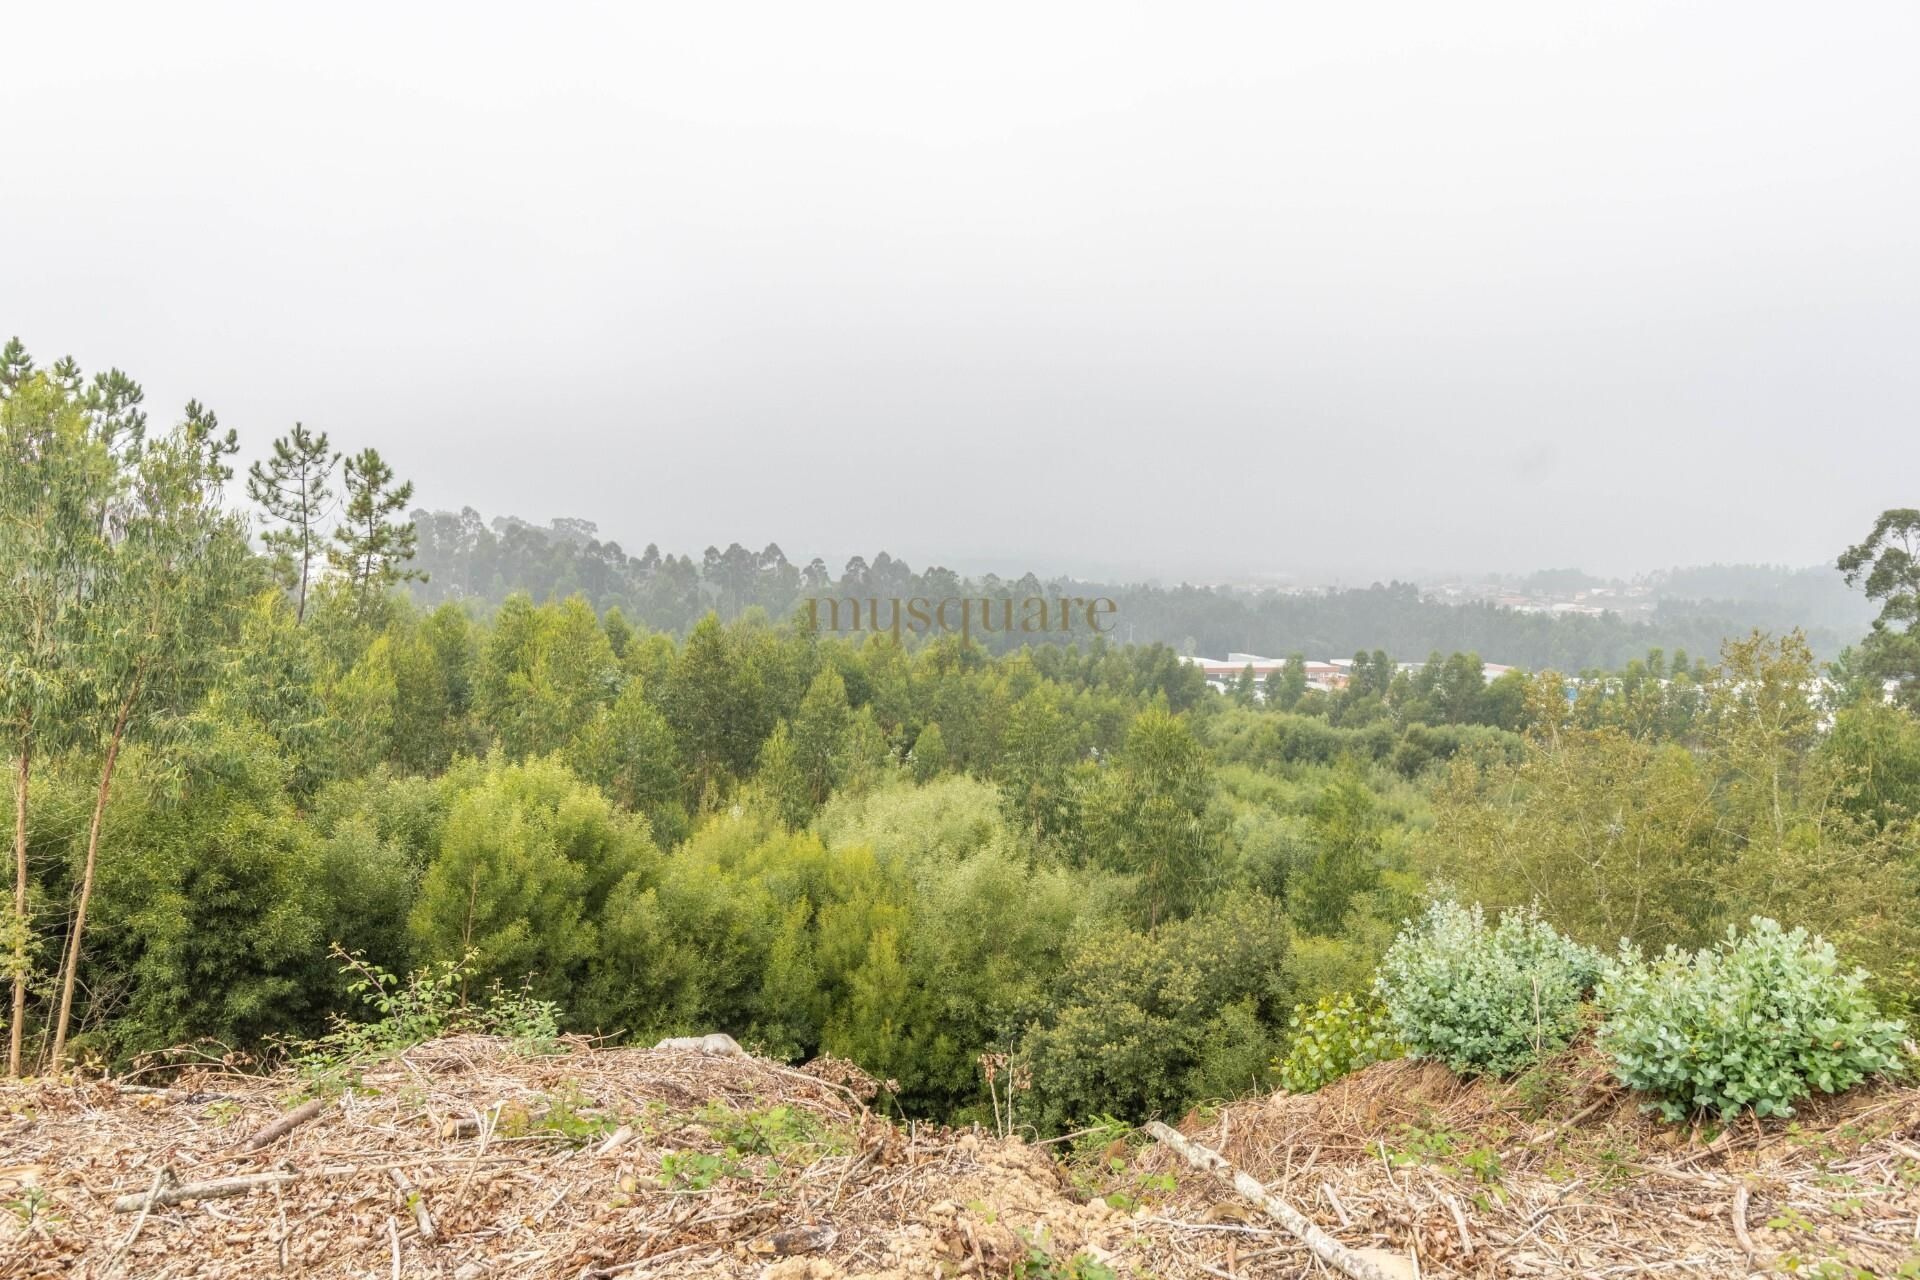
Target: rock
pixel 802 1269
pixel 1397 1265
pixel 719 1042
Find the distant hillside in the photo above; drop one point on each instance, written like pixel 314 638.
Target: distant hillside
pixel 469 558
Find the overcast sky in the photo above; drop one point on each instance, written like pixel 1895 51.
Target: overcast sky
pixel 1174 289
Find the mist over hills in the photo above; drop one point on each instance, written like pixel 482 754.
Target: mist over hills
pixel 1561 618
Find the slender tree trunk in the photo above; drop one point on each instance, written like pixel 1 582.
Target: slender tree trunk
pixel 306 559
pixel 306 548
pixel 71 968
pixel 19 902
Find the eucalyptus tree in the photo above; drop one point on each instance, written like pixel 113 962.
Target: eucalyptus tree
pixel 371 548
pixel 293 487
pixel 175 567
pixel 1887 566
pixel 59 476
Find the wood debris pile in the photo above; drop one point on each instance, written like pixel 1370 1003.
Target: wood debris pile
pixel 466 1159
pixel 1486 1179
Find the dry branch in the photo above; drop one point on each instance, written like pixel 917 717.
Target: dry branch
pixel 414 1201
pixel 217 1189
pixel 1322 1245
pixel 284 1125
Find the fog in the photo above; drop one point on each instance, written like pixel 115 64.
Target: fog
pixel 1129 289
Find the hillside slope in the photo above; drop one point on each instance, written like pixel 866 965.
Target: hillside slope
pixel 464 1159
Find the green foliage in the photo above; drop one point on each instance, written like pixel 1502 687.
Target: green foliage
pixel 1140 1025
pixel 1446 1150
pixel 1332 1038
pixel 400 1013
pixel 1886 565
pixel 208 919
pixel 293 487
pixel 1484 999
pixel 697 1170
pixel 567 1114
pixel 522 879
pixel 1039 1264
pixel 1151 816
pixel 370 547
pixel 1074 861
pixel 1758 1021
pixel 1341 858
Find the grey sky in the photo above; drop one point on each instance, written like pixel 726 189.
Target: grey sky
pixel 1144 289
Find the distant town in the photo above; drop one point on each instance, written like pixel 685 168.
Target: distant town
pixel 1327 676
pixel 1562 593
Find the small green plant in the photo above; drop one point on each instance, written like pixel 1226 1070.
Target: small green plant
pixel 531 1024
pixel 1445 1150
pixel 1143 1188
pixel 697 1170
pixel 405 1012
pixel 1484 999
pixel 1837 1269
pixel 1040 1264
pixel 30 1207
pixel 1331 1039
pixel 569 1114
pixel 772 1132
pixel 1759 1021
pixel 224 1113
pixel 1791 1219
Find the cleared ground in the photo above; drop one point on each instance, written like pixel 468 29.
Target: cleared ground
pixel 463 1158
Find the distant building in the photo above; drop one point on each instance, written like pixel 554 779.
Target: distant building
pixel 1325 676
pixel 1328 676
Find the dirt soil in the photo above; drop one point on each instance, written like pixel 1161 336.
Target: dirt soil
pixel 465 1159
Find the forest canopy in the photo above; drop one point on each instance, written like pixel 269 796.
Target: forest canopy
pixel 645 795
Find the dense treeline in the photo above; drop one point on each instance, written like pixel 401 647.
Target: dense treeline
pixel 1076 867
pixel 467 559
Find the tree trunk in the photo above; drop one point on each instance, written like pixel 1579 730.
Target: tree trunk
pixel 19 904
pixel 71 968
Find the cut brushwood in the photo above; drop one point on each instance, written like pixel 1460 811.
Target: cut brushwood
pixel 1322 1245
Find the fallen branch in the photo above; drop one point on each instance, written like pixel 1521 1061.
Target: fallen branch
pixel 1740 1198
pixel 159 1179
pixel 1322 1245
pixel 218 1189
pixel 618 1139
pixel 414 1201
pixel 1541 1140
pixel 284 1125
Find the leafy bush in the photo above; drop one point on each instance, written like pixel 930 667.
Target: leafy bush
pixel 1758 1021
pixel 1141 1024
pixel 415 1009
pixel 1484 1000
pixel 1332 1038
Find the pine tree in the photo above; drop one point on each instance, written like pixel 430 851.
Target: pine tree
pixel 293 488
pixel 370 547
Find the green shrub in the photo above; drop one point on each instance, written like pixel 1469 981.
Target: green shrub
pixel 1332 1038
pixel 1758 1021
pixel 1484 1000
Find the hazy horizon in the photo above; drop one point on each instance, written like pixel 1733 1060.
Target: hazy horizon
pixel 1081 289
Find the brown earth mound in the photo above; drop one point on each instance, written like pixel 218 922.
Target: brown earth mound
pixel 462 1158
